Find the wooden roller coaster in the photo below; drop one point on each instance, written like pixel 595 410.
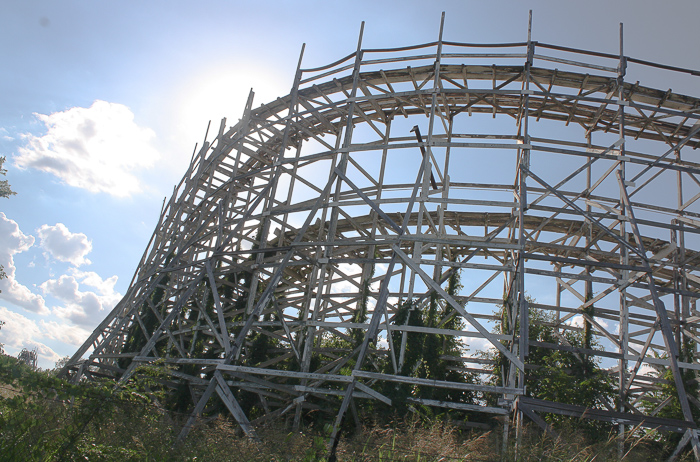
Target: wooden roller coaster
pixel 285 270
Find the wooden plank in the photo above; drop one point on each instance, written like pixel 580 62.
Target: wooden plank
pixel 235 186
pixel 538 420
pixel 219 309
pixel 468 316
pixel 437 383
pixel 283 373
pixel 234 408
pixel 372 393
pixel 328 391
pixel 673 425
pixel 459 406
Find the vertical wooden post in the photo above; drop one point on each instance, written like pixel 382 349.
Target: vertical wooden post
pixel 624 252
pixel 524 165
pixel 275 173
pixel 342 167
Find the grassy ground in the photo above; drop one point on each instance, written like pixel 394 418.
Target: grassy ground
pixel 419 441
pixel 44 419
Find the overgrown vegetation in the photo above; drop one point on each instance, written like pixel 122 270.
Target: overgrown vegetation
pixel 424 356
pixel 44 418
pixel 560 375
pixel 2 346
pixel 5 188
pixel 664 401
pixel 5 192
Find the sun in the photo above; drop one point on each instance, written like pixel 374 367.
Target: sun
pixel 222 91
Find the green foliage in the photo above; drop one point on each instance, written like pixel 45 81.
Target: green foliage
pixel 665 397
pixel 59 365
pixel 44 418
pixel 29 400
pixel 262 342
pixel 425 354
pixel 559 375
pixel 360 314
pixel 3 275
pixel 566 377
pixel 5 189
pixel 319 450
pixel 669 389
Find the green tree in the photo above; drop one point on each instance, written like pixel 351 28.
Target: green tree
pixel 561 375
pixel 59 365
pixel 5 189
pixel 2 346
pixel 665 398
pixel 360 314
pixel 425 354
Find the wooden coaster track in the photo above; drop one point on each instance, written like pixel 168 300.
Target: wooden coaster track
pixel 280 265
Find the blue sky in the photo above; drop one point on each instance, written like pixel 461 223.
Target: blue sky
pixel 103 102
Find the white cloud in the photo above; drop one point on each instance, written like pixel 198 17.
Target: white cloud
pixel 14 241
pixel 21 332
pixel 576 321
pixel 344 286
pixel 477 344
pixel 72 335
pixel 5 134
pixel 86 297
pixel 97 148
pixel 84 308
pixel 63 245
pixel 392 302
pixel 92 279
pixel 648 371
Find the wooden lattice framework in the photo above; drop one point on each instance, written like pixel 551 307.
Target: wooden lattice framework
pixel 381 174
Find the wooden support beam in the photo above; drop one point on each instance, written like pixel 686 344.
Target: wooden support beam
pixel 287 213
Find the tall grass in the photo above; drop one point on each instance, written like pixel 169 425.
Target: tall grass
pixel 45 419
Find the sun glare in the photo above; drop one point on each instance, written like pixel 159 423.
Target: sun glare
pixel 218 92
